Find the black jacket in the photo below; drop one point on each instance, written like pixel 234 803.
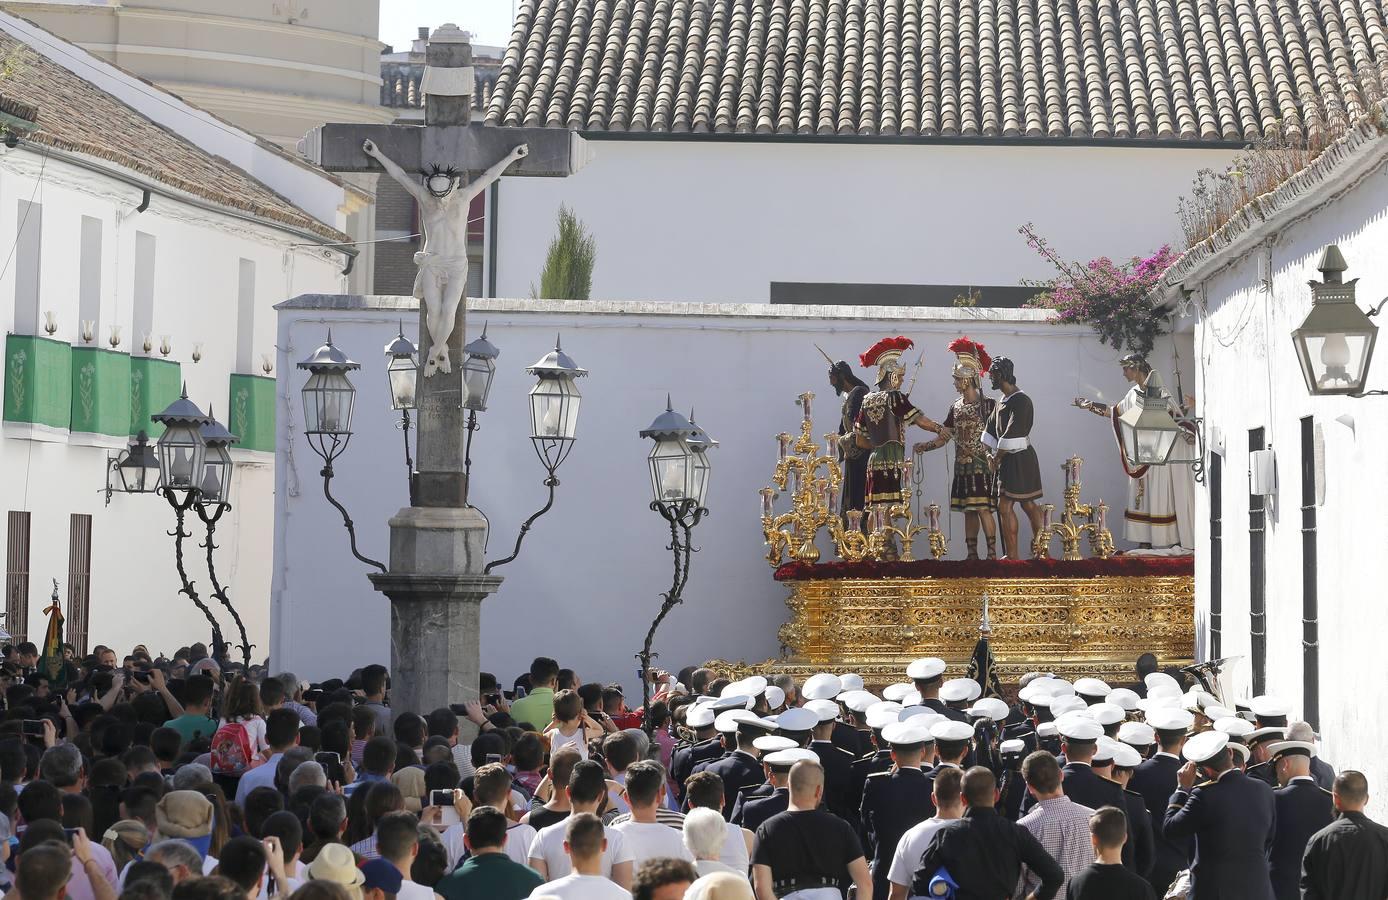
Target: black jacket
pixel 892 803
pixel 739 770
pixel 757 810
pixel 1155 780
pixel 685 758
pixel 984 853
pixel 838 780
pixel 1140 827
pixel 1303 809
pixel 747 795
pixel 1346 860
pixel 880 761
pixel 1233 821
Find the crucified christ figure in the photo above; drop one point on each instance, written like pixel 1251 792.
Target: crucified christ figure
pixel 443 207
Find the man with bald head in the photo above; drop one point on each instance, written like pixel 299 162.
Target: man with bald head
pixel 1347 859
pixel 805 853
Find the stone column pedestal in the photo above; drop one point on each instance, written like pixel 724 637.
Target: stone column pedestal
pixel 436 588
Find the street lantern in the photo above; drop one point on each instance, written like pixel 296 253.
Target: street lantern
pixel 134 470
pixel 1335 343
pixel 402 371
pixel 180 448
pixel 1149 430
pixel 479 366
pixel 678 460
pixel 215 485
pixel 329 399
pixel 554 402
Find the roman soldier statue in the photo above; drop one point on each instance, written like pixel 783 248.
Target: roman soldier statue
pixel 973 490
pixel 1160 512
pixel 1008 436
pixel 852 458
pixel 882 422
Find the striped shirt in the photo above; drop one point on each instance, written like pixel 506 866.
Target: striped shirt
pixel 663 816
pixel 1062 827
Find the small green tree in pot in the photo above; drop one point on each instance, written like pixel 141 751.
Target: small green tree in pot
pixel 568 271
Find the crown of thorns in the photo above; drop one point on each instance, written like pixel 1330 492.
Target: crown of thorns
pixel 447 171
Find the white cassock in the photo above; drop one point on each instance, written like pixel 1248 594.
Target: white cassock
pixel 1161 503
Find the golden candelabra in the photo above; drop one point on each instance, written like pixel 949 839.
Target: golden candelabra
pixel 1071 528
pixel 814 480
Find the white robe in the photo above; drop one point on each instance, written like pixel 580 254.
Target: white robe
pixel 1161 503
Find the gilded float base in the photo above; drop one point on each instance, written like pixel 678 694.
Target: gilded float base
pixel 1072 626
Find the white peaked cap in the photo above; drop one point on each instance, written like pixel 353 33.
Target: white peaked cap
pixel 822 687
pixel 926 667
pixel 1139 734
pixel 1204 745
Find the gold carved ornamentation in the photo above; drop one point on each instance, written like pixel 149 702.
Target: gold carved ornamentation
pixel 1070 529
pixel 1071 626
pixel 814 480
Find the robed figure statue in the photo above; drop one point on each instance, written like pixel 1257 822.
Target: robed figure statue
pixel 853 459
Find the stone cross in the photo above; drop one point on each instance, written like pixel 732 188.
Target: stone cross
pixel 435 583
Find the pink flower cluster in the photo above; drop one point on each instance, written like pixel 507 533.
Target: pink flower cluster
pixel 1113 298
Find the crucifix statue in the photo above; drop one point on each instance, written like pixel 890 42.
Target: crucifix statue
pixel 444 201
pixel 435 580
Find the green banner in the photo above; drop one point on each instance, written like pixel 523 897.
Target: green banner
pixel 154 384
pixel 251 412
pixel 38 380
pixel 100 391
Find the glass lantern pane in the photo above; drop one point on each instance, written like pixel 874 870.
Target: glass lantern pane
pixel 477 380
pixel 1335 362
pixel 699 474
pixel 554 409
pixel 669 471
pixel 402 375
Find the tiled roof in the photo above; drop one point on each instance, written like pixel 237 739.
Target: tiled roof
pixel 1186 70
pixel 75 115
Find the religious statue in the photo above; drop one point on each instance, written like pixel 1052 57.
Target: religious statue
pixel 974 488
pixel 443 201
pixel 882 421
pixel 1161 499
pixel 1013 459
pixel 852 458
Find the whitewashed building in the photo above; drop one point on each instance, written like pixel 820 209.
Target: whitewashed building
pixel 146 243
pixel 1292 514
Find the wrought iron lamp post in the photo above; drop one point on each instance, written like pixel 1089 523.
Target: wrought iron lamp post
pixel 181 451
pixel 679 471
pixel 403 374
pixel 211 502
pixel 329 400
pixel 1335 342
pixel 554 402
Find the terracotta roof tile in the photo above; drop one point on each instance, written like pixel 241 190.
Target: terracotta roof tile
pixel 1190 70
pixel 75 115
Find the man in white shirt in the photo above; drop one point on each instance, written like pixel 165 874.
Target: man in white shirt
pixel 397 841
pixel 548 855
pixel 281 733
pixel 491 786
pixel 585 845
pixel 949 805
pixel 647 837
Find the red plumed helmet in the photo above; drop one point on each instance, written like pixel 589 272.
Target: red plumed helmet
pixel 963 345
pixel 899 344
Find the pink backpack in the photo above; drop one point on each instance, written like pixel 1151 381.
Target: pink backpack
pixel 231 749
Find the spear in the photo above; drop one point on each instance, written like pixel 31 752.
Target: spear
pixel 826 356
pixel 915 372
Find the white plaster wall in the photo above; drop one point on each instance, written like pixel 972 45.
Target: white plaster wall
pixel 1250 378
pixel 134 585
pixel 719 221
pixel 588 579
